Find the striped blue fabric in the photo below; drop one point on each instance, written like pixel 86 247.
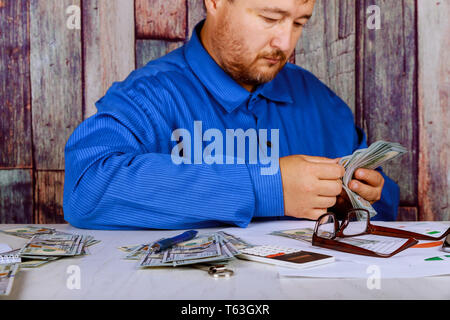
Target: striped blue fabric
pixel 120 173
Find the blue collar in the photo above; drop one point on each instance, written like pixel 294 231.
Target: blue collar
pixel 222 87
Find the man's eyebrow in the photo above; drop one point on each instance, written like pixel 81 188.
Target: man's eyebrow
pixel 282 12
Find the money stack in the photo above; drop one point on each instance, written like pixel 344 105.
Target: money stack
pixel 47 244
pixel 372 157
pixel 214 247
pixel 9 266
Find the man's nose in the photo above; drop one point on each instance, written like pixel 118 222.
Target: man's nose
pixel 283 37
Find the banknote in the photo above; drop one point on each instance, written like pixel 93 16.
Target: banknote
pixel 304 234
pixel 54 245
pixel 198 248
pixel 233 243
pixel 7 274
pixel 208 247
pixel 27 232
pixel 372 157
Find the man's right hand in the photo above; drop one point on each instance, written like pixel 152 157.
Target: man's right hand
pixel 310 185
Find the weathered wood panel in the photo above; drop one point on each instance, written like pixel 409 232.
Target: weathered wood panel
pixel 48 197
pixel 56 84
pixel 109 47
pixel 434 109
pixel 386 86
pixel 147 50
pixel 196 13
pixel 327 47
pixel 15 95
pixel 16 196
pixel 161 19
pixel 407 214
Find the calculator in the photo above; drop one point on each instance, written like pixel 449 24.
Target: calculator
pixel 285 257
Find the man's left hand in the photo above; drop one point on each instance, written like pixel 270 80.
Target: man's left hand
pixel 368 184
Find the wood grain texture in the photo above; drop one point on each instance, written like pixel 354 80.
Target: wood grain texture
pixel 327 47
pixel 196 12
pixel 48 197
pixel 161 19
pixel 16 196
pixel 55 80
pixel 434 109
pixel 147 50
pixel 15 91
pixel 109 47
pixel 386 87
pixel 407 214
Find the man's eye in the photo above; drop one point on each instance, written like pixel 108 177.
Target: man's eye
pixel 298 24
pixel 269 20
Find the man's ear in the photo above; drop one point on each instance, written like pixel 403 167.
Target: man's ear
pixel 212 6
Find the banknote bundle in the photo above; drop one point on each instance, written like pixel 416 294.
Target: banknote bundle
pixel 211 247
pixel 47 244
pixel 9 266
pixel 372 157
pixel 303 234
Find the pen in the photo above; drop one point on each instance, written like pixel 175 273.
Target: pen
pixel 167 243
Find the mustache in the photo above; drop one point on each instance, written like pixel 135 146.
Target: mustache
pixel 278 54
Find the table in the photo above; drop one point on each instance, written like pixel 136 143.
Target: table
pixel 104 274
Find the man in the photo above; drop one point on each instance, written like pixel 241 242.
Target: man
pixel 131 165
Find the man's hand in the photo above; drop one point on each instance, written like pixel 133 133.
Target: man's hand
pixel 368 184
pixel 310 185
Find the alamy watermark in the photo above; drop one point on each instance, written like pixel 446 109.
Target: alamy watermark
pixel 374 279
pixel 374 19
pixel 190 146
pixel 73 281
pixel 74 17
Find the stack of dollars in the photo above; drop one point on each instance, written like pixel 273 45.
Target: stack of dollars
pixel 47 244
pixel 214 247
pixel 9 266
pixel 372 157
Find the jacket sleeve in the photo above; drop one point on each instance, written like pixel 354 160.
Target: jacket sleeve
pixel 117 178
pixel 387 206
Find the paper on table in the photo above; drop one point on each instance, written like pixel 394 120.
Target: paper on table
pixel 409 263
pixel 4 248
pixel 352 270
pixel 379 244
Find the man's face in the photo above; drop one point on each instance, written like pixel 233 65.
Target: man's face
pixel 253 39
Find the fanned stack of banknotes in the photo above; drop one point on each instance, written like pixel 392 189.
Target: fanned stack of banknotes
pixel 369 158
pixel 44 245
pixel 212 247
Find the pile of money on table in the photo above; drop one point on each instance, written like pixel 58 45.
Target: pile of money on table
pixel 369 158
pixel 48 244
pixel 9 266
pixel 44 245
pixel 212 247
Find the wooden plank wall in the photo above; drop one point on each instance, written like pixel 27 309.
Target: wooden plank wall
pixel 395 79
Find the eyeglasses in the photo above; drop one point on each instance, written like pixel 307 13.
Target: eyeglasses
pixel 356 222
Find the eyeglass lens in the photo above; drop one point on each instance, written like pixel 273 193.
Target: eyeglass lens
pixel 357 223
pixel 326 227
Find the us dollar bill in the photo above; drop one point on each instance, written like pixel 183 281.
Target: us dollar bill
pixel 372 157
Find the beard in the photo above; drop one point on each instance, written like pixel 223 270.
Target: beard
pixel 236 60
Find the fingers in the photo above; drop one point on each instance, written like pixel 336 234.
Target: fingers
pixel 328 171
pixel 370 177
pixel 368 192
pixel 330 188
pixel 324 202
pixel 319 159
pixel 314 214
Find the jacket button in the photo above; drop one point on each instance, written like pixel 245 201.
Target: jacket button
pixel 269 144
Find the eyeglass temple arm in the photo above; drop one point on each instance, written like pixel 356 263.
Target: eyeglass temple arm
pixel 345 247
pixel 392 232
